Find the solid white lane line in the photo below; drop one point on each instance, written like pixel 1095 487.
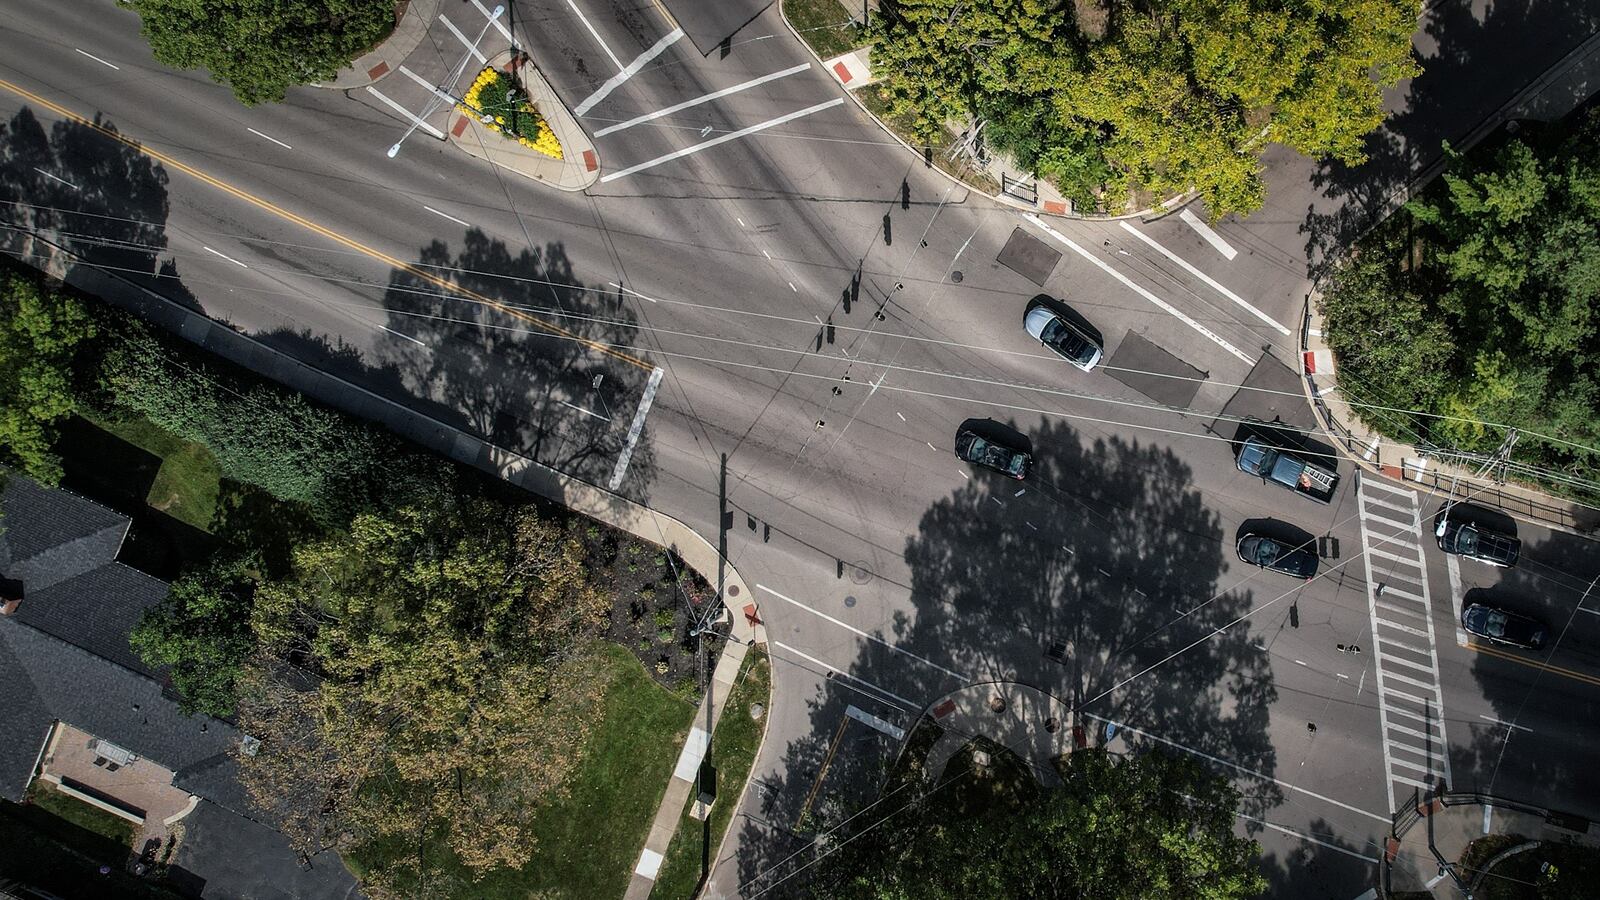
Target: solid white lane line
pixel 98 59
pixel 268 137
pixel 872 721
pixel 723 139
pixel 1215 285
pixel 1453 567
pixel 55 178
pixel 1206 231
pixel 1235 766
pixel 471 47
pixel 584 19
pixel 1306 837
pixel 448 216
pixel 427 85
pixel 495 20
pixel 1128 283
pixel 407 113
pixel 401 334
pixel 632 69
pixel 705 98
pixel 587 412
pixel 903 702
pixel 224 256
pixel 848 627
pixel 637 426
pixel 630 291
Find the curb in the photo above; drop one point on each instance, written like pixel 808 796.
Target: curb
pixel 1150 214
pixel 410 28
pixel 578 152
pixel 766 728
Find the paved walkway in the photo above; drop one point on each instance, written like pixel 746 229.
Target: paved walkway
pixel 1025 720
pixel 1561 89
pixel 382 60
pixel 1452 822
pixel 579 165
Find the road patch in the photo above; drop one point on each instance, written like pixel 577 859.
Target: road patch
pixel 1029 257
pixel 1147 368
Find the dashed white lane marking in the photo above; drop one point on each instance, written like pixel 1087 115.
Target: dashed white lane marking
pixel 615 81
pixel 268 137
pixel 901 415
pixel 1215 285
pixel 224 256
pixel 872 721
pixel 448 216
pixel 1128 283
pixel 931 446
pixel 1404 659
pixel 597 39
pixel 1211 236
pixel 55 178
pixel 401 334
pixel 765 253
pixel 793 288
pixel 472 48
pixel 851 628
pixel 98 59
pixel 494 19
pixel 637 426
pixel 723 139
pixel 902 702
pixel 704 98
pixel 1123 726
pixel 409 116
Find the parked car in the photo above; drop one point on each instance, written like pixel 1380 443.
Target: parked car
pixel 1476 541
pixel 1503 627
pixel 979 450
pixel 1260 550
pixel 1069 341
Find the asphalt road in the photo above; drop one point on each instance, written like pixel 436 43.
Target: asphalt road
pixel 826 312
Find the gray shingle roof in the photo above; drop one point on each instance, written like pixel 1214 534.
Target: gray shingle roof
pixel 43 679
pixel 96 611
pixel 49 535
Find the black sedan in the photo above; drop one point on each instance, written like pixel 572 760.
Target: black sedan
pixel 1502 627
pixel 1260 550
pixel 982 451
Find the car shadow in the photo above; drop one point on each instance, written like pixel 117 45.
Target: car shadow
pixel 1060 308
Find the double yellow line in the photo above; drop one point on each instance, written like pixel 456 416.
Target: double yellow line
pixel 371 252
pixel 1496 652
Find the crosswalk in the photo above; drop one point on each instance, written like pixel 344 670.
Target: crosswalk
pixel 1410 706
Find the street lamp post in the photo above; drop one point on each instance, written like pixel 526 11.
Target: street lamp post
pixel 493 17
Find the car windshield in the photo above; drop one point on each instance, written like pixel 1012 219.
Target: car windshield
pixel 1467 539
pixel 994 455
pixel 1495 624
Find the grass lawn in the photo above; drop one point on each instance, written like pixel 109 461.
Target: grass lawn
pixel 189 480
pixel 733 753
pixel 59 856
pixel 589 842
pixel 825 25
pixel 79 825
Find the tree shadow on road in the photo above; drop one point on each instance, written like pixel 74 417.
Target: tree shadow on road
pixel 1334 869
pixel 1473 61
pixel 1084 587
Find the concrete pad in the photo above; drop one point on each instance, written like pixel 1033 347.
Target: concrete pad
pixel 649 864
pixel 1153 372
pixel 1270 392
pixel 694 752
pixel 1029 257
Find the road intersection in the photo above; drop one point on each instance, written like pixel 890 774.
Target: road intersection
pixel 825 311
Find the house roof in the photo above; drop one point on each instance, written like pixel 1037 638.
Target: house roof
pixel 43 678
pixel 48 535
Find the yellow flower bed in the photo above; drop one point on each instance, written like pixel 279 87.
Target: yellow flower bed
pixel 518 121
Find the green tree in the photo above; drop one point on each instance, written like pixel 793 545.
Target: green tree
pixel 455 693
pixel 1177 94
pixel 41 332
pixel 1119 828
pixel 202 631
pixel 261 48
pixel 261 434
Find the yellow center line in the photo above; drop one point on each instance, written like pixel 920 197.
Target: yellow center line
pixel 1533 663
pixel 267 206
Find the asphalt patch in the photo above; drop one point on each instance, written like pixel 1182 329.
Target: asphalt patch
pixel 1029 257
pixel 1153 372
pixel 1271 393
pixel 708 24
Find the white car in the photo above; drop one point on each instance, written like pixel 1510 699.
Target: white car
pixel 1065 338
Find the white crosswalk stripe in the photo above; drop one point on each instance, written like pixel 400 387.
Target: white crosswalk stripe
pixel 1415 753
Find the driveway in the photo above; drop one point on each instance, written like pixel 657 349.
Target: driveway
pixel 225 856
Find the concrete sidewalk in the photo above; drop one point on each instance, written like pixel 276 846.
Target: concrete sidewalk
pixel 1452 822
pixel 382 60
pixel 1024 719
pixel 579 165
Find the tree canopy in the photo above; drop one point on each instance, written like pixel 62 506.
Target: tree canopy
pixel 202 631
pixel 1119 828
pixel 1174 94
pixel 261 48
pixel 452 695
pixel 41 331
pixel 1478 303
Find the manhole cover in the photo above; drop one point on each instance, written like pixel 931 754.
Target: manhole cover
pixel 956 276
pixel 859 573
pixel 849 602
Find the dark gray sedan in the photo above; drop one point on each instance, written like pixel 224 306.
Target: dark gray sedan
pixel 974 448
pixel 1260 550
pixel 1502 627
